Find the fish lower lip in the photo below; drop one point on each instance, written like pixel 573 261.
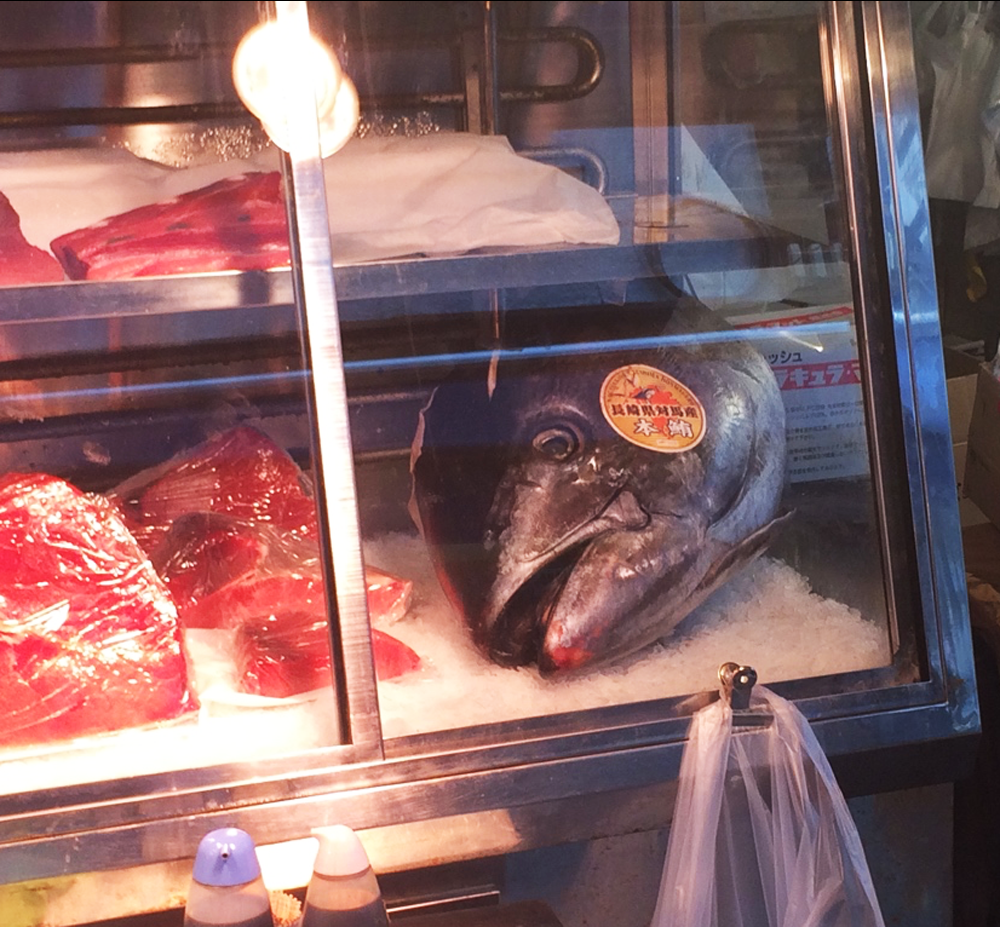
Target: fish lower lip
pixel 515 637
pixel 514 633
pixel 563 660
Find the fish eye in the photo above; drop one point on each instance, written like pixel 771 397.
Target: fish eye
pixel 557 442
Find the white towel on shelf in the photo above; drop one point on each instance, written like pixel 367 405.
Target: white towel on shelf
pixel 387 197
pixel 448 193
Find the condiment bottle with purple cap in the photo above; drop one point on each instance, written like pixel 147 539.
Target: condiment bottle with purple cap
pixel 226 886
pixel 343 891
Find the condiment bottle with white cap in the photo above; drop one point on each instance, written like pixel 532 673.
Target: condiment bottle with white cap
pixel 226 886
pixel 343 891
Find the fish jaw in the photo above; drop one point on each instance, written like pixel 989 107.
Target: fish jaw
pixel 530 571
pixel 626 590
pixel 625 596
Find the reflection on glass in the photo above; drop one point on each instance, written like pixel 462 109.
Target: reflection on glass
pixel 561 559
pixel 163 601
pixel 605 392
pixel 955 50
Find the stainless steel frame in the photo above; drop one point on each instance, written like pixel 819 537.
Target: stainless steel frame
pixel 552 779
pixel 354 675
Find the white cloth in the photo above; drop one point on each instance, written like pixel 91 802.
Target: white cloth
pixel 387 197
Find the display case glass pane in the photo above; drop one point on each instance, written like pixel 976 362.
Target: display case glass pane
pixel 609 412
pixel 616 411
pixel 162 583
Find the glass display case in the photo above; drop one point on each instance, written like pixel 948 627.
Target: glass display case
pixel 419 452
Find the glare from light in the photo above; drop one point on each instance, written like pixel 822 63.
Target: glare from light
pixel 272 62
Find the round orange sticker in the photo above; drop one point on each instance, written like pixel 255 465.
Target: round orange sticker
pixel 652 409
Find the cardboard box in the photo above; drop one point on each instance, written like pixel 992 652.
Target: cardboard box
pixel 982 464
pixel 962 372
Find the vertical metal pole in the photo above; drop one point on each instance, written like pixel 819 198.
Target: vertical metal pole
pixel 336 492
pixel 479 70
pixel 654 88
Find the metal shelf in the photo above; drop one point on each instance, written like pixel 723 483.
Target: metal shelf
pixel 700 238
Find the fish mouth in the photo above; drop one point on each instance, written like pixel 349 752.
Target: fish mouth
pixel 526 589
pixel 516 636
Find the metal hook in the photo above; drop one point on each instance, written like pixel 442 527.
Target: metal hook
pixel 738 682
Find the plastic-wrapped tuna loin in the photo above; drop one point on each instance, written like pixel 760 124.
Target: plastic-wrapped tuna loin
pixel 231 527
pixel 233 574
pixel 237 223
pixel 89 637
pixel 240 472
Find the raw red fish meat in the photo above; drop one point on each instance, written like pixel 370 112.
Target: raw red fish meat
pixel 229 574
pixel 89 637
pixel 283 639
pixel 232 530
pixel 388 596
pixel 279 663
pixel 21 262
pixel 204 552
pixel 241 473
pixel 238 223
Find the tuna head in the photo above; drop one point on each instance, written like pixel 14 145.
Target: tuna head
pixel 613 493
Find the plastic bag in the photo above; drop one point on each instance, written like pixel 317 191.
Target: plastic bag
pixel 761 835
pixel 956 40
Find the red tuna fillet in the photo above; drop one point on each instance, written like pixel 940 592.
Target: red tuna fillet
pixel 241 473
pixel 228 573
pixel 283 641
pixel 203 552
pixel 21 262
pixel 388 596
pixel 89 637
pixel 231 528
pixel 238 223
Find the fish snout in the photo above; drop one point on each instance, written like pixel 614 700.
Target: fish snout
pixel 513 624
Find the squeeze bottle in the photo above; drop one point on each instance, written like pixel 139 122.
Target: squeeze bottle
pixel 343 891
pixel 226 886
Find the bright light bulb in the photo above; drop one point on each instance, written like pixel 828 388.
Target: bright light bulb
pixel 265 68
